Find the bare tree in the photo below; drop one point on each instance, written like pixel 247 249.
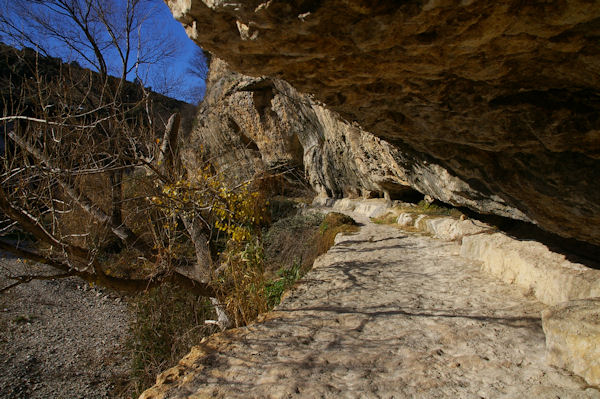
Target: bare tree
pixel 57 184
pixel 53 157
pixel 105 35
pixel 111 37
pixel 198 68
pixel 69 126
pixel 90 167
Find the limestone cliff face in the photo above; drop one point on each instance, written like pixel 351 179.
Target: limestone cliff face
pixel 504 95
pixel 247 125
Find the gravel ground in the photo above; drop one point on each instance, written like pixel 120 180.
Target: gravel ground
pixel 59 338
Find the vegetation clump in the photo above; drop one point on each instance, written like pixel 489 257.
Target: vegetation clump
pixel 333 224
pixel 422 208
pixel 431 208
pixel 167 319
pixel 242 280
pixel 286 278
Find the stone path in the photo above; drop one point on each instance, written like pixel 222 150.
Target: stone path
pixel 384 314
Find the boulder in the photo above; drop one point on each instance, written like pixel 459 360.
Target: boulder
pixel 573 337
pixel 406 219
pixel 450 229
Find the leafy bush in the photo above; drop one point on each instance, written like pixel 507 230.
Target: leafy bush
pixel 274 289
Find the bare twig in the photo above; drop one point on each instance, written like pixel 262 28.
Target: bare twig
pixel 29 278
pixel 123 232
pixel 52 123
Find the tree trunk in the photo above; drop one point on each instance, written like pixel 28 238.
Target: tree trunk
pixel 202 270
pixel 116 200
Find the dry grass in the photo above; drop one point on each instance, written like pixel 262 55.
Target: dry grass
pixel 257 273
pixel 388 218
pixel 281 241
pixel 334 224
pixel 168 321
pixel 422 208
pixel 426 208
pixel 241 285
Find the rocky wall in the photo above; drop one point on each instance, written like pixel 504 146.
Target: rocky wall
pixel 248 125
pixel 503 95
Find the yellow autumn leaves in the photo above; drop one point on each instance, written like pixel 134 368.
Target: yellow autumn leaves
pixel 234 210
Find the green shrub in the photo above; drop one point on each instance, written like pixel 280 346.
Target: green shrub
pixel 274 289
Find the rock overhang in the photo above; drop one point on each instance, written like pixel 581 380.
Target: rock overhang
pixel 505 95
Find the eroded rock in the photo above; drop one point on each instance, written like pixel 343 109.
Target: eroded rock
pixel 529 264
pixel 573 337
pixel 503 95
pixel 246 125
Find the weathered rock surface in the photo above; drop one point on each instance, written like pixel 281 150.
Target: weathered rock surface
pixel 370 208
pixel 250 124
pixel 247 125
pixel 573 337
pixel 452 229
pixel 382 314
pixel 532 266
pixel 503 95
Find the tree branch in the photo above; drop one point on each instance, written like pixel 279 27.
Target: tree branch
pixel 28 278
pixel 115 283
pixel 168 148
pixel 123 232
pixel 51 123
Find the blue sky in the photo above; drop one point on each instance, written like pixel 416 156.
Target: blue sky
pixel 163 41
pixel 187 47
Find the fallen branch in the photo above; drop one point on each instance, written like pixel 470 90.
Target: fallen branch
pixel 99 277
pixel 28 278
